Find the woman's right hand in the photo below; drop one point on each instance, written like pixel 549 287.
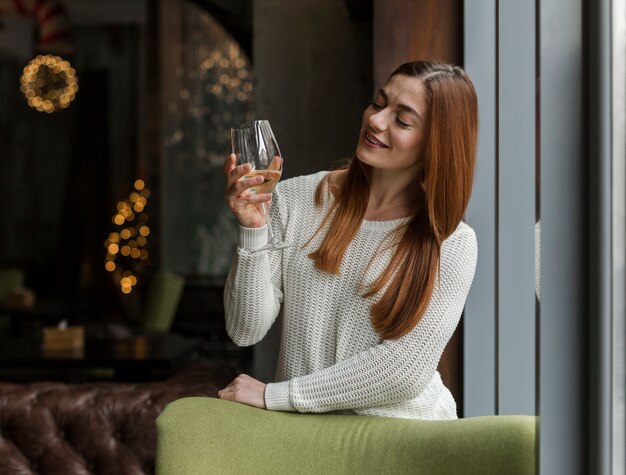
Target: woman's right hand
pixel 247 207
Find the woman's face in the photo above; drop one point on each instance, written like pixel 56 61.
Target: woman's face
pixel 392 131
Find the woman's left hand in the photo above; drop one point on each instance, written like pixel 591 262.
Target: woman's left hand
pixel 246 390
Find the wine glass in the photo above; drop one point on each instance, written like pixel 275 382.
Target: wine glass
pixel 254 143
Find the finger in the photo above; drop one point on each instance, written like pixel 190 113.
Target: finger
pixel 249 199
pixel 229 163
pixel 242 185
pixel 238 172
pixel 234 172
pixel 229 396
pixel 224 393
pixel 236 186
pixel 276 163
pixel 241 190
pixel 229 386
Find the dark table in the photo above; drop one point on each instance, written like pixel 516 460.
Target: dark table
pixel 139 358
pixel 45 313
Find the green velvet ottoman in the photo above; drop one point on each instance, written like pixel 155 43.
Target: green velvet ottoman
pixel 206 435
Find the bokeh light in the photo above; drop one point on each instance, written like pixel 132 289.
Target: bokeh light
pixel 127 255
pixel 49 83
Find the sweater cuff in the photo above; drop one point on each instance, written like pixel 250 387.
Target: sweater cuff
pixel 252 238
pixel 277 397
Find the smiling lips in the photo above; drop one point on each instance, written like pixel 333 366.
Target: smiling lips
pixel 373 141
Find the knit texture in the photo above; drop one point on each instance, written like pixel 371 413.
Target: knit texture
pixel 331 359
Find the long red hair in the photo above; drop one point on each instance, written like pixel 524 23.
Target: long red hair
pixel 451 131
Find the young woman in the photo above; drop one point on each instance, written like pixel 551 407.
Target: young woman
pixel 383 263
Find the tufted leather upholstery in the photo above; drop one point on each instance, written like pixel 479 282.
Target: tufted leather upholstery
pixel 95 428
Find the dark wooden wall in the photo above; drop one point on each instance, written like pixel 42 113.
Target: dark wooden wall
pixel 406 30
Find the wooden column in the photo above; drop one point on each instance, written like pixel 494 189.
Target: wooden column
pixel 406 30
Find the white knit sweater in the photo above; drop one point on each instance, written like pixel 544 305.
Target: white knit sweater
pixel 331 359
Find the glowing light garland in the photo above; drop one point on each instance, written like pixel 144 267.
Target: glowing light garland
pixel 128 244
pixel 49 83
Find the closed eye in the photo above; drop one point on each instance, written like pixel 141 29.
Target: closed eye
pixel 402 123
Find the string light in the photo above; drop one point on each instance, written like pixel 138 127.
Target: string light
pixel 49 83
pixel 218 83
pixel 214 87
pixel 127 254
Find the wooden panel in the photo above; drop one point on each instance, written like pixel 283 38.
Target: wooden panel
pixel 406 30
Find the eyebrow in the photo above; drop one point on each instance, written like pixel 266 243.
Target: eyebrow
pixel 404 107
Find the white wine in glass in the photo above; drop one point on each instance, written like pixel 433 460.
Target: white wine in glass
pixel 271 178
pixel 254 143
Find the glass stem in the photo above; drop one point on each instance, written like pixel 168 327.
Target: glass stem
pixel 270 233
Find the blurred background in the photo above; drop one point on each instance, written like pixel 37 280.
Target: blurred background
pixel 159 84
pixel 114 125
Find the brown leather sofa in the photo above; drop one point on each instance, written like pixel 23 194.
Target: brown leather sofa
pixel 92 428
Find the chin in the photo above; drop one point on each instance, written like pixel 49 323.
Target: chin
pixel 369 163
pixel 358 153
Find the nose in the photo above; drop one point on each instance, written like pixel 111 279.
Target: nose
pixel 377 120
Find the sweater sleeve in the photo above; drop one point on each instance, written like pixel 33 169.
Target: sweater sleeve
pixel 253 290
pixel 394 370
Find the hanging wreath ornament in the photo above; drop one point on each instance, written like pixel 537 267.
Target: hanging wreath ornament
pixel 48 82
